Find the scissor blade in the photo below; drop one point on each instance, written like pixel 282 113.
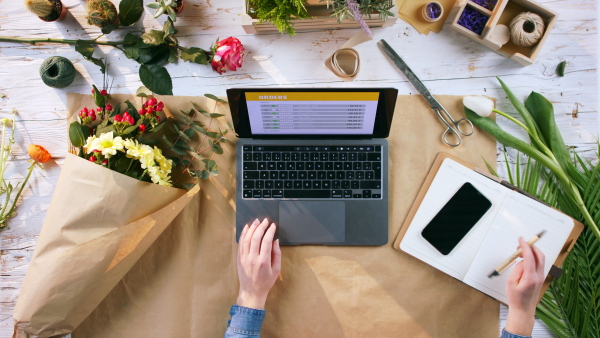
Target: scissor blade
pixel 397 60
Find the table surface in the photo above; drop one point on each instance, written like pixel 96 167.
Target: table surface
pixel 448 63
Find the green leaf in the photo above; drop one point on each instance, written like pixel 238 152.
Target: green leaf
pixel 205 175
pixel 560 69
pixel 215 115
pixel 109 28
pixel 99 99
pixel 158 127
pixel 116 110
pixel 542 113
pixel 143 92
pixel 157 79
pixel 195 55
pixel 87 50
pixel 215 147
pixel 130 11
pixel 132 110
pixel 211 96
pixel 78 134
pixel 198 127
pixel 179 151
pixel 169 28
pixel 132 128
pixel 529 121
pixel 153 55
pixel 153 5
pixel 182 134
pixel 169 144
pixel 153 37
pixel 189 132
pixel 132 46
pixel 171 14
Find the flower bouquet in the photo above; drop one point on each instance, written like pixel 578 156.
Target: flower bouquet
pixel 131 173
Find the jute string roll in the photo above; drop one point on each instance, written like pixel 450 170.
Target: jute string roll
pixel 57 72
pixel 526 29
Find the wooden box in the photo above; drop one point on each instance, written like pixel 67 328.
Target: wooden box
pixel 502 14
pixel 321 19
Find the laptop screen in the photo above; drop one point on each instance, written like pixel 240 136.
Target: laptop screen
pixel 311 111
pixel 294 113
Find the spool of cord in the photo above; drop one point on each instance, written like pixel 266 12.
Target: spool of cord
pixel 526 29
pixel 57 72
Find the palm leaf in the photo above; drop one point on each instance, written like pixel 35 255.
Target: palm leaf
pixel 571 306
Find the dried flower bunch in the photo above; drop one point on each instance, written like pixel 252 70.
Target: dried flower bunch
pixel 473 20
pixel 147 144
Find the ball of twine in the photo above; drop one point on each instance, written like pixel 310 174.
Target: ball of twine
pixel 57 72
pixel 526 29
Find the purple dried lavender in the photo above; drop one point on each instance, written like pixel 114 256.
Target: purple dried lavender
pixel 473 20
pixel 433 11
pixel 489 4
pixel 353 8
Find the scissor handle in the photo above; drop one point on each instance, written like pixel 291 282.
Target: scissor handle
pixel 464 122
pixel 451 131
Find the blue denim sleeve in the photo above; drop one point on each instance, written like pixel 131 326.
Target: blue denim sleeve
pixel 244 322
pixel 506 334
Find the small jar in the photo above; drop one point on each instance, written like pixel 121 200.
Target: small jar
pixel 432 11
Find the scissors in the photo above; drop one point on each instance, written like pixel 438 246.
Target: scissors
pixel 454 127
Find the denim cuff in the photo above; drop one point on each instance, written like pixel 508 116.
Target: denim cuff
pixel 245 320
pixel 506 334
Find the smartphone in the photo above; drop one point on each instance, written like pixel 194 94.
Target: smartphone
pixel 456 219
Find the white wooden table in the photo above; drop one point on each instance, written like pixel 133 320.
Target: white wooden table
pixel 448 63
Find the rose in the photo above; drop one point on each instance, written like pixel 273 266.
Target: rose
pixel 228 55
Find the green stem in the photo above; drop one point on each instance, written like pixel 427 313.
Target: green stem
pixel 2 157
pixel 66 41
pixel 14 205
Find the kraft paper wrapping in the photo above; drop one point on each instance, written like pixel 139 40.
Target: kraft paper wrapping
pixel 186 281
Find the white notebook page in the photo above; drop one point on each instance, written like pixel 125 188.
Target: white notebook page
pixel 449 178
pixel 519 216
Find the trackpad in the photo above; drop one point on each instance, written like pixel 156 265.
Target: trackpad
pixel 319 222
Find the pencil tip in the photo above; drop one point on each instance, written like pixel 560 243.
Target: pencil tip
pixel 493 274
pixel 541 233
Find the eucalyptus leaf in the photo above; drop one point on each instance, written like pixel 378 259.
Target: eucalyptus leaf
pixel 189 132
pixel 169 144
pixel 182 134
pixel 179 151
pixel 215 115
pixel 213 97
pixel 157 79
pixel 130 11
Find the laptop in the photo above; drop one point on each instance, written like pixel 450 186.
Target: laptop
pixel 314 161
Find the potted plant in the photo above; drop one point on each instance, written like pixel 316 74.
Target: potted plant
pixel 170 7
pixel 47 10
pixel 101 13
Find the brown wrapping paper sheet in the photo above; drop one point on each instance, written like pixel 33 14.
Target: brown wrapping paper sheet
pixel 186 282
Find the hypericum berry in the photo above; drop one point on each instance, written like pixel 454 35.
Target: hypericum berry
pixel 118 118
pixel 142 128
pixel 158 119
pixel 103 92
pixel 143 111
pixel 150 110
pixel 93 90
pixel 105 163
pixel 92 158
pixel 85 110
pixel 93 117
pixel 99 109
pixel 108 107
pixel 151 102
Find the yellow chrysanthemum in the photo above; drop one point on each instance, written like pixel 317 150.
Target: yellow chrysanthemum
pixel 107 144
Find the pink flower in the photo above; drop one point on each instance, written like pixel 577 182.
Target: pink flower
pixel 228 55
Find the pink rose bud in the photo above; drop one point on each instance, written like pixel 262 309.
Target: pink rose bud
pixel 228 55
pixel 92 158
pixel 109 107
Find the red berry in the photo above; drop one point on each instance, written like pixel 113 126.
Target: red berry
pixel 109 107
pixel 150 110
pixel 151 101
pixel 158 119
pixel 103 92
pixel 160 105
pixel 93 117
pixel 143 111
pixel 99 109
pixel 105 162
pixel 118 118
pixel 93 90
pixel 85 110
pixel 142 128
pixel 92 158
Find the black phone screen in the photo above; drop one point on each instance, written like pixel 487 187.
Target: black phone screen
pixel 456 218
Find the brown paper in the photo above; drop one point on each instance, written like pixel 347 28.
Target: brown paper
pixel 186 282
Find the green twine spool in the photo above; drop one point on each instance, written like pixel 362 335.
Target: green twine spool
pixel 57 72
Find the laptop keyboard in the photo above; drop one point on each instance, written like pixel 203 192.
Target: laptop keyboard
pixel 346 172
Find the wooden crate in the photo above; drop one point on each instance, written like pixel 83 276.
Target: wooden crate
pixel 502 14
pixel 321 19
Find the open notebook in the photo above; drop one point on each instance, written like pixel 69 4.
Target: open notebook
pixel 494 237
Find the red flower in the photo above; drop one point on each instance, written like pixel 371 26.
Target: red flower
pixel 228 55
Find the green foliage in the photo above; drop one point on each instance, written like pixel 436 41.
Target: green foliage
pixel 41 8
pixel 164 6
pixel 130 11
pixel 366 7
pixel 280 12
pixel 87 50
pixel 101 13
pixel 571 306
pixel 157 79
pixel 560 69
